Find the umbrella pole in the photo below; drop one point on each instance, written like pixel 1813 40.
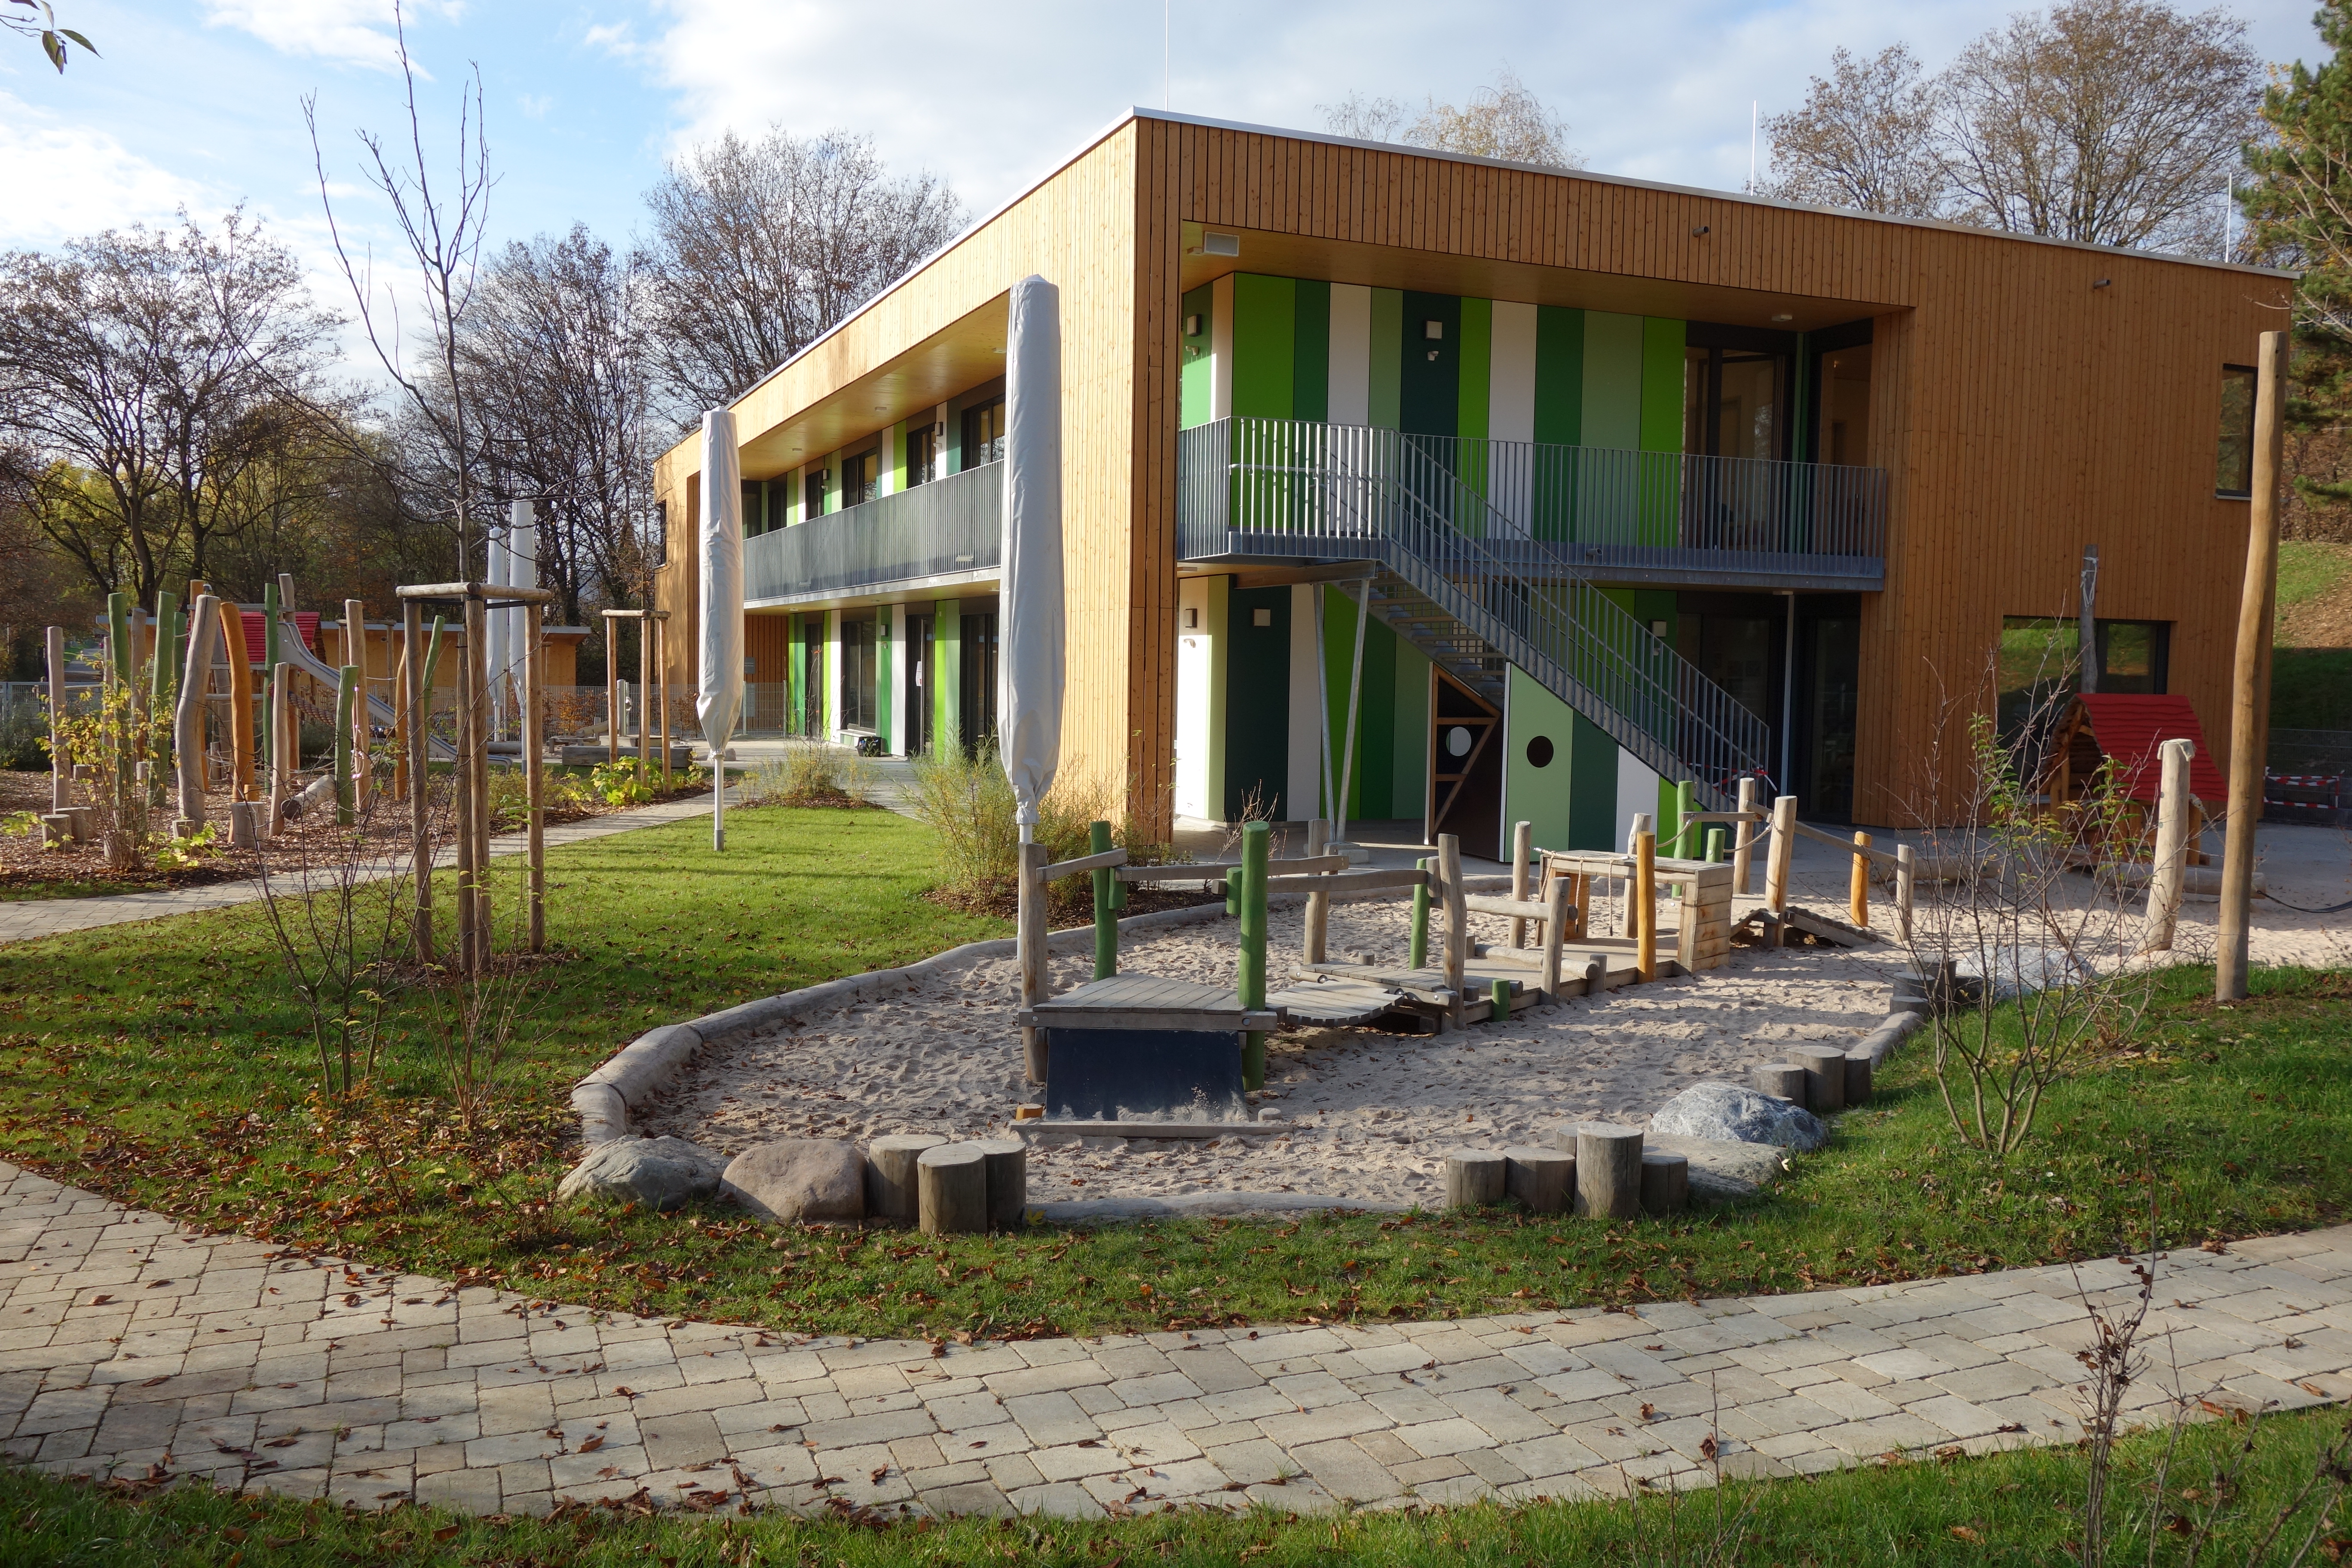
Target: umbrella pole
pixel 718 799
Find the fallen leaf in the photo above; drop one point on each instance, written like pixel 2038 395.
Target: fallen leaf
pixel 447 1530
pixel 99 1300
pixel 592 1445
pixel 1962 1533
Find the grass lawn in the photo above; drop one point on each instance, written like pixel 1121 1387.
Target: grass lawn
pixel 2019 1508
pixel 2307 569
pixel 166 1065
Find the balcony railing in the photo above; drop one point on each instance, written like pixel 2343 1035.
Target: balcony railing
pixel 1615 516
pixel 948 527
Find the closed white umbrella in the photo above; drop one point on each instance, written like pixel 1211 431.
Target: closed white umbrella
pixel 1029 664
pixel 719 695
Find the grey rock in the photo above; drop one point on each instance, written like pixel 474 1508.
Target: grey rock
pixel 1734 1111
pixel 800 1181
pixel 662 1174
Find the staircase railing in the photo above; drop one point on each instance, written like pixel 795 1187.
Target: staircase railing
pixel 1386 495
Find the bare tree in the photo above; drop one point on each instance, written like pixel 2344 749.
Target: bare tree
pixel 443 230
pixel 1504 121
pixel 140 372
pixel 2111 121
pixel 1866 137
pixel 554 358
pixel 759 247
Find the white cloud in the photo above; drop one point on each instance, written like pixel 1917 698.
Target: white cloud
pixel 70 180
pixel 348 32
pixel 618 39
pixel 535 105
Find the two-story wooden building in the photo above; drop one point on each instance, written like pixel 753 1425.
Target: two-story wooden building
pixel 1642 483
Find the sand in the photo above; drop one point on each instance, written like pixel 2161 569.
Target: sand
pixel 1373 1113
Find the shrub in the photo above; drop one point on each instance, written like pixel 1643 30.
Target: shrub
pixel 809 773
pixel 25 738
pixel 965 798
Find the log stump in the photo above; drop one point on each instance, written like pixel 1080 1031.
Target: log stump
pixel 891 1184
pixel 951 1189
pixel 1542 1179
pixel 1608 1169
pixel 1858 1070
pixel 1007 1179
pixel 1825 1077
pixel 1473 1177
pixel 1782 1081
pixel 1665 1183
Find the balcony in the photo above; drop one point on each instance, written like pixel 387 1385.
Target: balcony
pixel 1279 490
pixel 943 533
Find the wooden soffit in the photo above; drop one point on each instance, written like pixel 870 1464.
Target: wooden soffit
pixel 1477 278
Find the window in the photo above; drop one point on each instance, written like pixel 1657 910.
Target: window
pixel 2040 664
pixel 922 454
pixel 861 478
pixel 859 707
pixel 755 509
pixel 1734 403
pixel 813 494
pixel 661 533
pixel 2234 474
pixel 983 434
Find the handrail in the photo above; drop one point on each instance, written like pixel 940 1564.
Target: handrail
pixel 1386 495
pixel 950 526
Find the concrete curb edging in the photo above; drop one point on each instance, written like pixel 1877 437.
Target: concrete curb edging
pixel 606 1098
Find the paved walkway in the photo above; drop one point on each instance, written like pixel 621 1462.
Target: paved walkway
pixel 132 1346
pixel 22 920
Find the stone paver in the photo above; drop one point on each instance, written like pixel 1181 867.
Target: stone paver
pixel 131 1346
pixel 24 919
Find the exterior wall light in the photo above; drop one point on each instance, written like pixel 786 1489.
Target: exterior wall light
pixel 1221 245
pixel 1193 325
pixel 1783 316
pixel 2102 283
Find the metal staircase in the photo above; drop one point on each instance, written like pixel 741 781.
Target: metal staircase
pixel 1462 583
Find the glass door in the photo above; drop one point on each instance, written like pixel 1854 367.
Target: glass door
pixel 922 709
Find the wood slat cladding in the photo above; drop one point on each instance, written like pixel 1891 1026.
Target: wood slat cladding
pixel 2021 411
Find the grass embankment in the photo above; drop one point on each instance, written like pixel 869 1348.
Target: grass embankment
pixel 2018 1508
pixel 166 1065
pixel 2311 668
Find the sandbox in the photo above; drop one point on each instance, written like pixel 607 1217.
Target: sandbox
pixel 1364 1114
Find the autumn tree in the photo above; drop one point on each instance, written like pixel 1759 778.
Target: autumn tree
pixel 1864 137
pixel 759 247
pixel 1504 121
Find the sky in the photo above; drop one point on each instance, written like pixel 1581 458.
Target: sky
pixel 199 103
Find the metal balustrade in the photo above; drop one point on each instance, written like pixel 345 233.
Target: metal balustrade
pixel 1278 487
pixel 942 529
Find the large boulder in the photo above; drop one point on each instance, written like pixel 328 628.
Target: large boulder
pixel 1734 1112
pixel 662 1174
pixel 800 1181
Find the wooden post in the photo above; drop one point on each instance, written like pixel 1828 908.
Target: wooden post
pixel 346 793
pixel 1857 894
pixel 612 688
pixel 1417 957
pixel 1636 918
pixel 269 662
pixel 1776 864
pixel 1665 1183
pixel 240 702
pixel 477 697
pixel 2250 686
pixel 1580 894
pixel 1474 1177
pixel 59 769
pixel 534 771
pixel 1556 907
pixel 891 1189
pixel 1743 837
pixel 419 696
pixel 1106 917
pixel 1905 886
pixel 1542 1179
pixel 1256 843
pixel 951 1189
pixel 661 675
pixel 2167 871
pixel 1319 905
pixel 1458 919
pixel 188 719
pixel 644 696
pixel 1783 1080
pixel 1824 1077
pixel 1645 893
pixel 285 744
pixel 1029 929
pixel 461 775
pixel 1004 1174
pixel 1523 840
pixel 355 655
pixel 1608 1169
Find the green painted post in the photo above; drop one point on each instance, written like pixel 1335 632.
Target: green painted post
pixel 346 695
pixel 1499 998
pixel 162 686
pixel 122 659
pixel 1685 807
pixel 1256 839
pixel 269 656
pixel 118 637
pixel 1419 957
pixel 1714 843
pixel 1105 913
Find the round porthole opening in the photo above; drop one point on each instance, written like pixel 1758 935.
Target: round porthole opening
pixel 1539 752
pixel 1458 741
